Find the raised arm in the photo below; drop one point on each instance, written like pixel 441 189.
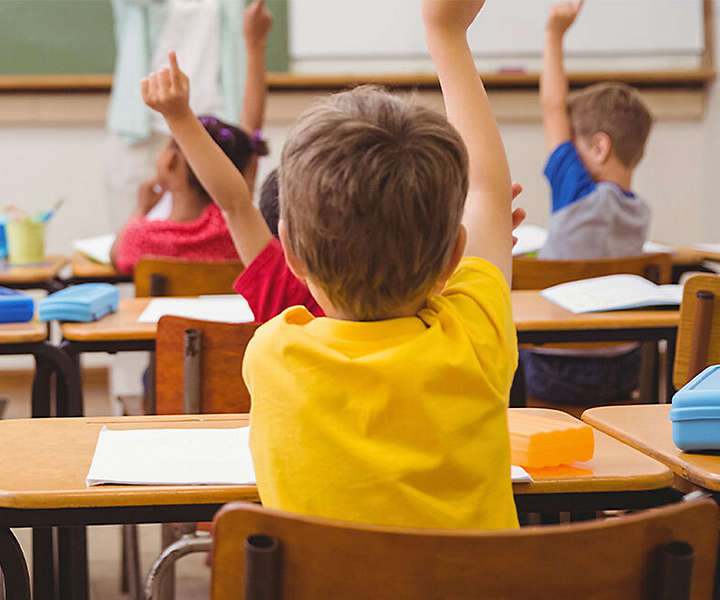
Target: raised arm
pixel 168 92
pixel 553 80
pixel 488 209
pixel 256 26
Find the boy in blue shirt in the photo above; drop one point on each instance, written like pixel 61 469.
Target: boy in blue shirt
pixel 595 139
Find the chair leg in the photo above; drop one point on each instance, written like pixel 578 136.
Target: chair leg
pixel 166 580
pixel 131 577
pixel 165 563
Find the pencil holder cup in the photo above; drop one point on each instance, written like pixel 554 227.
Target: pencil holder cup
pixel 25 242
pixel 3 239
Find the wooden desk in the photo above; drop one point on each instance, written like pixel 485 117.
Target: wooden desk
pixel 615 468
pixel 85 270
pixel 648 429
pixel 538 321
pixel 31 338
pixel 42 484
pixel 42 276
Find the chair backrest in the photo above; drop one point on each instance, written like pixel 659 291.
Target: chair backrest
pixel 163 276
pixel 218 381
pixel 535 274
pixel 698 340
pixel 320 558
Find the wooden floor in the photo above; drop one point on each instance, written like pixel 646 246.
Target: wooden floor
pixel 104 542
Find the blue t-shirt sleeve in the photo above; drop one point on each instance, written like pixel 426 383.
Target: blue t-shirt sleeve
pixel 568 177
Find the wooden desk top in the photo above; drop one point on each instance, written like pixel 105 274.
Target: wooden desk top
pixel 46 461
pixel 532 312
pixel 39 273
pixel 82 266
pixel 647 427
pixel 615 467
pixel 697 254
pixel 21 333
pixel 121 325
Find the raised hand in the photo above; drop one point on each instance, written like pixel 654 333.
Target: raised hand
pixel 563 15
pixel 168 90
pixel 257 22
pixel 450 15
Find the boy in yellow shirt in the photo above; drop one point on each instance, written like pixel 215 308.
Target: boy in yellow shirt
pixel 392 408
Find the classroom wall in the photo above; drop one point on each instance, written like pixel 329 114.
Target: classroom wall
pixel 53 146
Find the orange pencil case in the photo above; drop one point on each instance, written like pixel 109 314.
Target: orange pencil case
pixel 540 441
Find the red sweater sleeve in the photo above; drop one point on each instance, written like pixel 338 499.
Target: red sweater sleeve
pixel 269 286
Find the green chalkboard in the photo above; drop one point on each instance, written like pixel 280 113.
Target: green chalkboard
pixel 75 37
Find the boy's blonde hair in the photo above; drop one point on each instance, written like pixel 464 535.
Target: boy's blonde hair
pixel 617 110
pixel 372 189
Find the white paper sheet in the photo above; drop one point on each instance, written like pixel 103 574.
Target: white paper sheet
pixel 708 247
pixel 614 292
pixel 530 239
pixel 653 247
pixel 172 457
pixel 519 475
pixel 224 309
pixel 96 248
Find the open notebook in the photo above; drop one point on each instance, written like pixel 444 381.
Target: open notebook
pixel 613 292
pixel 181 457
pixel 96 248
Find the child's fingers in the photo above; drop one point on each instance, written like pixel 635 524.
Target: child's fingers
pixel 144 89
pixel 516 189
pixel 152 86
pixel 174 66
pixel 164 80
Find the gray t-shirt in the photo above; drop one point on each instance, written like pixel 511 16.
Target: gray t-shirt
pixel 590 220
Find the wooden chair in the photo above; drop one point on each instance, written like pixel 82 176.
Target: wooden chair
pixel 535 274
pixel 273 554
pixel 198 371
pixel 698 340
pixel 163 276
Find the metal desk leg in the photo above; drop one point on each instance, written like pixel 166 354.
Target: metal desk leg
pixel 670 358
pixel 43 563
pixel 69 383
pixel 518 393
pixel 72 559
pixel 14 568
pixel 41 405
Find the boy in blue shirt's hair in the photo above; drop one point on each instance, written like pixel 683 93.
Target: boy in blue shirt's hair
pixel 595 139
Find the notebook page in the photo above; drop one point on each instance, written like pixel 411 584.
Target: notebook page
pixel 222 309
pixel 613 292
pixel 96 248
pixel 530 239
pixel 172 457
pixel 519 475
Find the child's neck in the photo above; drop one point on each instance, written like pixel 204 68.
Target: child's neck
pixel 618 174
pixel 188 204
pixel 411 309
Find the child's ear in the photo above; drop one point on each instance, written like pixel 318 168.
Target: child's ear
pixel 296 266
pixel 602 146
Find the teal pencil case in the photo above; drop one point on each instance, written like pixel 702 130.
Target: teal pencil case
pixel 695 412
pixel 85 302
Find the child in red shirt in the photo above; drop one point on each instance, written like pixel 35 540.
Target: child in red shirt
pixel 196 228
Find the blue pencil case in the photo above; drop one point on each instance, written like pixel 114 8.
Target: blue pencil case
pixel 695 412
pixel 15 307
pixel 85 302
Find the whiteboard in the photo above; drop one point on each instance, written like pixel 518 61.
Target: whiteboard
pixel 508 33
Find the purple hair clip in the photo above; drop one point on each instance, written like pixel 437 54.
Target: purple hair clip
pixel 226 135
pixel 208 121
pixel 256 140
